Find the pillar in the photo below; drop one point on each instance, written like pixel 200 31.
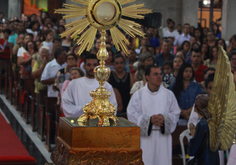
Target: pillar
pixel 14 7
pixel 228 23
pixel 190 12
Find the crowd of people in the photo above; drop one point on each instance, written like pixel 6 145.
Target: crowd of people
pixel 183 59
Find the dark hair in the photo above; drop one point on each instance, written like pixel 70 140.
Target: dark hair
pixel 211 52
pixel 209 79
pixel 232 53
pixel 32 24
pixel 169 21
pixel 27 34
pixel 58 52
pixel 71 54
pixel 207 53
pixel 179 86
pixel 148 69
pixel 182 46
pixel 46 32
pixel 150 27
pixel 223 42
pixel 89 56
pixel 57 39
pixel 118 56
pixel 150 46
pixel 8 31
pixel 201 36
pixel 49 24
pixel 110 50
pixel 62 26
pixel 196 50
pixel 218 29
pixel 35 47
pixel 207 69
pixel 168 63
pixel 165 40
pixel 187 24
pixel 195 43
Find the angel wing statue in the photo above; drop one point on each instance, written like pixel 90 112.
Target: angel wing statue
pixel 222 105
pixel 216 127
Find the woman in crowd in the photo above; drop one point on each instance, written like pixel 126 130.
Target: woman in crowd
pixel 185 48
pixel 198 36
pixel 185 89
pixel 75 73
pixel 33 29
pixel 109 61
pixel 38 67
pixel 221 42
pixel 121 80
pixel 25 60
pixel 48 41
pixel 216 31
pixel 66 42
pixel 205 51
pixel 210 38
pixel 130 61
pixel 177 62
pixel 212 61
pixel 145 59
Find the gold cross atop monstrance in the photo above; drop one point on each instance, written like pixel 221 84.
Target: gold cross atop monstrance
pixel 102 15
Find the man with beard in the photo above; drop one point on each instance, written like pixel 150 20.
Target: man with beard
pixel 77 94
pixel 170 31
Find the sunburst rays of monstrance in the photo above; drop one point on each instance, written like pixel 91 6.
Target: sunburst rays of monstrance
pixel 102 15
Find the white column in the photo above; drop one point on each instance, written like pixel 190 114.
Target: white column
pixel 228 23
pixel 14 8
pixel 190 12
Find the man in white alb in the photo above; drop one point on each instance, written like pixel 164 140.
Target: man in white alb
pixel 77 94
pixel 155 109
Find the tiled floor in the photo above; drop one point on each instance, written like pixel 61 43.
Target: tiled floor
pixel 29 139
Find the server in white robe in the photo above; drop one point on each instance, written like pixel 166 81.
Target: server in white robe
pixel 77 93
pixel 155 109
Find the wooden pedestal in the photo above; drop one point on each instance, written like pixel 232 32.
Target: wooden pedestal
pixel 90 144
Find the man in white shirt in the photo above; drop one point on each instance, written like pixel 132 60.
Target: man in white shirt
pixel 170 31
pixel 184 36
pixel 50 71
pixel 77 94
pixel 155 109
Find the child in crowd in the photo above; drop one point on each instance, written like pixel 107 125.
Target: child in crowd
pixel 48 41
pixel 167 69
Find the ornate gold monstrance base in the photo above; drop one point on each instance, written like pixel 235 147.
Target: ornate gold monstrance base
pixel 100 107
pixel 88 144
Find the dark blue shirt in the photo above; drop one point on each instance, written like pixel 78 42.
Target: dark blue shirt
pixel 187 97
pixel 154 42
pixel 160 60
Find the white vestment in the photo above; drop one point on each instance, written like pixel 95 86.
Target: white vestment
pixel 77 95
pixel 157 148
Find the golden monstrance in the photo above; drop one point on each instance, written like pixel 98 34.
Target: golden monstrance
pixel 118 140
pixel 102 15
